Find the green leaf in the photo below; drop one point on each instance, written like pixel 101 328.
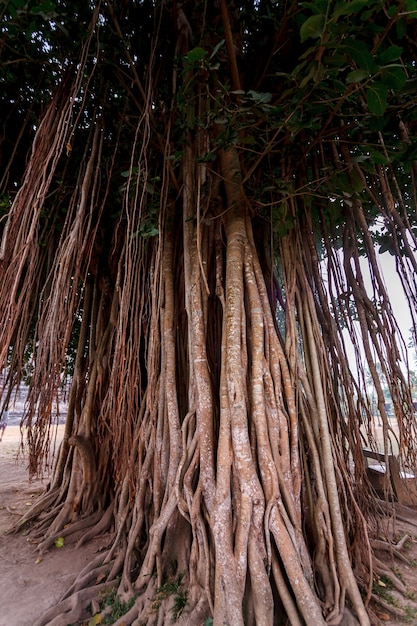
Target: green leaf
pixel 394 77
pixel 339 182
pixel 260 96
pixel 378 158
pixel 128 173
pixel 59 542
pixel 311 74
pixel 349 8
pixel 376 96
pixel 18 4
pixel 387 245
pixel 217 48
pixel 310 51
pixel 390 54
pixel 356 76
pixel 318 6
pixel 336 60
pixel 195 55
pixel 359 52
pixel 313 27
pixel 401 28
pixel 411 6
pixel 146 231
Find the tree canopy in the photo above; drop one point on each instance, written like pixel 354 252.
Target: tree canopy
pixel 191 195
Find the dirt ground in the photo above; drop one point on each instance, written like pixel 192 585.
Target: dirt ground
pixel 30 584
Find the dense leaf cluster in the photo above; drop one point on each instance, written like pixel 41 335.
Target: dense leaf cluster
pixel 324 105
pixel 339 73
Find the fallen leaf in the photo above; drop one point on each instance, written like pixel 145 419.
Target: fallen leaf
pixel 38 560
pixel 95 620
pixel 59 542
pixel 384 616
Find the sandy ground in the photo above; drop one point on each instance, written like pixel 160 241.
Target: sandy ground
pixel 30 584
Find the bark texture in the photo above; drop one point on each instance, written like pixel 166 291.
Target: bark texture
pixel 215 425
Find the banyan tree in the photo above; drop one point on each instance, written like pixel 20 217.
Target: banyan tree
pixel 194 199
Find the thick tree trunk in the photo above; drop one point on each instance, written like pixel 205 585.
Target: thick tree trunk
pixel 223 455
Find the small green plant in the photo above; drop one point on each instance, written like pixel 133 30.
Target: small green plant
pixel 172 588
pixel 410 616
pixel 180 602
pixel 119 608
pixel 381 587
pixel 398 573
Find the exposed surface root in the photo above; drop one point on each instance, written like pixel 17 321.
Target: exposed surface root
pixel 81 524
pixel 70 610
pixel 396 612
pixel 102 526
pixel 95 571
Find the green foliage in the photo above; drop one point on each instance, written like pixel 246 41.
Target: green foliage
pixel 4 204
pixel 313 27
pixel 119 608
pixel 376 97
pixel 382 587
pixel 180 597
pixel 410 615
pixel 346 48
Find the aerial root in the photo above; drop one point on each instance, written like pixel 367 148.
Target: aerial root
pixel 71 609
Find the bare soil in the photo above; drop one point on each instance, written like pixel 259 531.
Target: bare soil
pixel 30 583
